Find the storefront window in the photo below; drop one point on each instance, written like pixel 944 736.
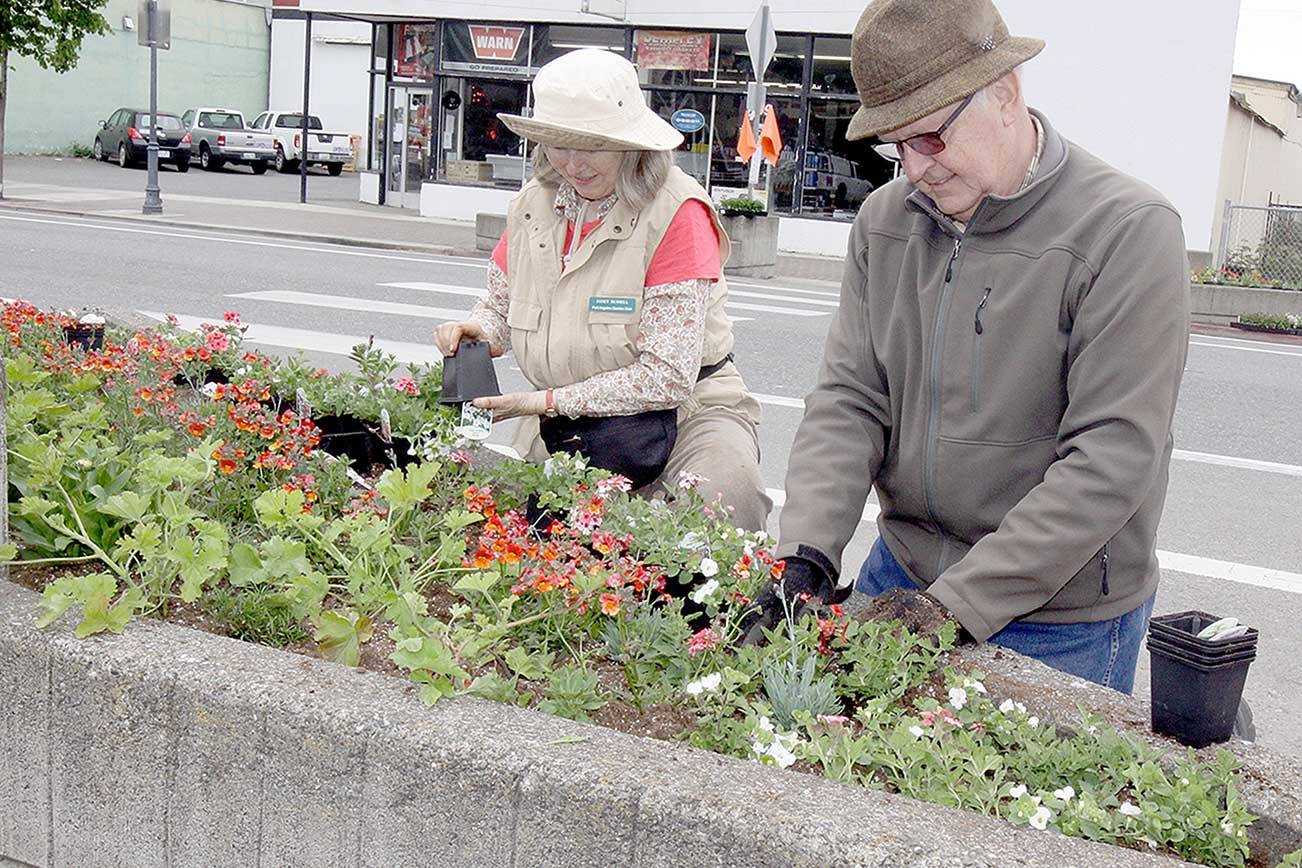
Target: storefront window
pixel 838 175
pixel 477 148
pixel 832 66
pixel 783 187
pixel 785 72
pixel 689 113
pixel 414 50
pixel 501 49
pixel 674 58
pixel 380 47
pixel 727 176
pixel 551 41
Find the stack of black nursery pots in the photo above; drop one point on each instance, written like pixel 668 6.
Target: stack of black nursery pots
pixel 1197 683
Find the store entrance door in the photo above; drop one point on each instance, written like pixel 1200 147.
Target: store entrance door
pixel 411 130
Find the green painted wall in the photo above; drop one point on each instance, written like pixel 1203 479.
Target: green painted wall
pixel 220 55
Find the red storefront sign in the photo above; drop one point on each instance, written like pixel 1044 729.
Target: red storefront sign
pixel 495 43
pixel 674 49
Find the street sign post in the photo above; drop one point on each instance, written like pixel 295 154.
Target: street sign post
pixel 155 32
pixel 762 42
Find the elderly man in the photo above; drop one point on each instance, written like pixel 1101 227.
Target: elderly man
pixel 1004 364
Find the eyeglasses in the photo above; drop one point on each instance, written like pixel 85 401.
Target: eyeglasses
pixel 927 144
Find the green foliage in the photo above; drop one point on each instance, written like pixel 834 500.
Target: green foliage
pixel 1292 860
pixel 255 615
pixel 573 693
pixel 1284 322
pixel 743 204
pixel 50 31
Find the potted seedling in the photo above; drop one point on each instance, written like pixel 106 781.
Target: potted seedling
pixel 468 374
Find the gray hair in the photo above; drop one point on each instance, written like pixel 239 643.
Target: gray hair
pixel 641 174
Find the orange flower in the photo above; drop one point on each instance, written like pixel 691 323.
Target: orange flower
pixel 198 429
pixel 611 604
pixel 137 411
pixel 226 465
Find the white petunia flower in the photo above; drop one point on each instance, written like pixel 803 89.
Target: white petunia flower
pixel 711 681
pixel 916 731
pixel 781 755
pixel 1040 819
pixel 709 567
pixel 974 685
pixel 1130 810
pixel 1066 794
pixel 957 698
pixel 208 389
pixel 1227 827
pixel 1018 791
pixel 1006 707
pixel 696 688
pixel 766 725
pixel 1033 721
pixel 704 592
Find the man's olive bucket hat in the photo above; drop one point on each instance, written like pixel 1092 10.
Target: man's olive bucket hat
pixel 910 58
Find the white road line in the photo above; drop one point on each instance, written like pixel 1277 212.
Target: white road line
pixel 775 288
pixel 779 400
pixel 344 302
pixel 407 352
pixel 1296 355
pixel 1244 463
pixel 323 247
pixel 474 292
pixel 1245 574
pixel 773 296
pixel 766 308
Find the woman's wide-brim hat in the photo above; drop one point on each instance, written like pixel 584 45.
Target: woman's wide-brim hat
pixel 590 99
pixel 910 58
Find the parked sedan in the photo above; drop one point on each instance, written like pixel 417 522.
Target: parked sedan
pixel 125 137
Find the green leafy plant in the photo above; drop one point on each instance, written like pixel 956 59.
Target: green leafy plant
pixel 743 205
pixel 1284 322
pixel 572 692
pixel 255 615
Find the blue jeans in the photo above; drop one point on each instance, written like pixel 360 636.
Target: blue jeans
pixel 1104 652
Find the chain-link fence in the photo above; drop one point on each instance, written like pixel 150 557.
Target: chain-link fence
pixel 1263 244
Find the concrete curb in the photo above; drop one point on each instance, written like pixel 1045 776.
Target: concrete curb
pixel 168 746
pixel 1219 304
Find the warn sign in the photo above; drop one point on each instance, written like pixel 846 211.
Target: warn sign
pixel 495 43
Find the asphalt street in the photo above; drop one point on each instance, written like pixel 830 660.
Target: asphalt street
pixel 1231 537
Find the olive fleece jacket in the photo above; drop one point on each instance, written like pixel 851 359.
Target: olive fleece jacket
pixel 1008 390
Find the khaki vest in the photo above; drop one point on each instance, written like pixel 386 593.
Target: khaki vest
pixel 569 326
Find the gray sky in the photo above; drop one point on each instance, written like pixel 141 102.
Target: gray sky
pixel 1269 43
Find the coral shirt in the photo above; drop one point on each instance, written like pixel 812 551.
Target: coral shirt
pixel 688 251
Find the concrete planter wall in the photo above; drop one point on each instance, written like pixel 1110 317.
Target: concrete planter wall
pixel 1220 304
pixel 167 746
pixel 754 245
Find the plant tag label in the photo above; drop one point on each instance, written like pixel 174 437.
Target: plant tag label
pixel 302 408
pixel 612 304
pixel 386 427
pixel 476 422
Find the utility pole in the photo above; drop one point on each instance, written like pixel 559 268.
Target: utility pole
pixel 307 83
pixel 762 42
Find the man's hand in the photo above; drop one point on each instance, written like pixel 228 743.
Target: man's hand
pixel 804 581
pixel 449 336
pixel 514 404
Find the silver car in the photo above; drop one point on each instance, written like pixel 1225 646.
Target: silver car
pixel 220 136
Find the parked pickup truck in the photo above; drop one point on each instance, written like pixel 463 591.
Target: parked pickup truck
pixel 323 149
pixel 220 137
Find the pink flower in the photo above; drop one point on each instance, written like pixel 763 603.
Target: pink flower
pixel 613 483
pixel 217 342
pixel 406 384
pixel 703 640
pixel 231 316
pixel 833 719
pixel 462 457
pixel 172 320
pixel 687 481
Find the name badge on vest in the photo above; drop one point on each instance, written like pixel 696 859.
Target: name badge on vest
pixel 612 304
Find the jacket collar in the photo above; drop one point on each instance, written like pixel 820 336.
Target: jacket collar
pixel 997 213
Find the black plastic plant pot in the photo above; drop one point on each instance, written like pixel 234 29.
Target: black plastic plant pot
pixel 212 375
pixel 1182 628
pixel 1201 648
pixel 468 374
pixel 87 336
pixel 1228 655
pixel 1192 702
pixel 345 436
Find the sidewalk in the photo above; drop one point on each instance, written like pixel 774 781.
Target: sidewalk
pixel 353 224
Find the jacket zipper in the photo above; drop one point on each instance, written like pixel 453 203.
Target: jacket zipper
pixel 1104 569
pixel 933 416
pixel 979 329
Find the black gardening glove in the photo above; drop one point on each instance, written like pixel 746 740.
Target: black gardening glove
pixel 809 577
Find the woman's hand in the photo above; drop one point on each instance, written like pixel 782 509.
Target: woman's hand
pixel 449 336
pixel 515 404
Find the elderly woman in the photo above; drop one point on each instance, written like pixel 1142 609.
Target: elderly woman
pixel 608 287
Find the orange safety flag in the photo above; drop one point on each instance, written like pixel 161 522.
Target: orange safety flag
pixel 746 140
pixel 770 140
